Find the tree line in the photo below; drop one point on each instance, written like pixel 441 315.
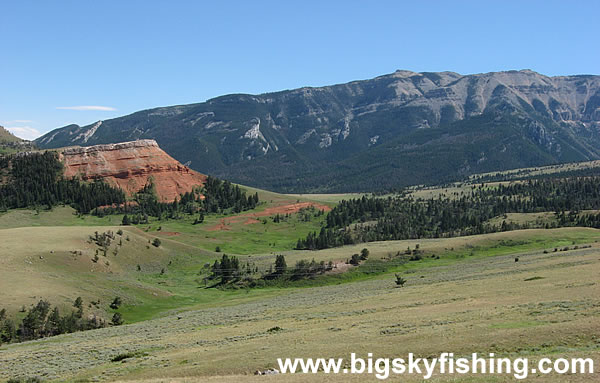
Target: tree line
pixel 36 179
pixel 215 196
pixel 229 272
pixel 42 321
pixel 400 217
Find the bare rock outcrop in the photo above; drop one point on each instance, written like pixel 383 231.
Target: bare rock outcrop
pixel 129 165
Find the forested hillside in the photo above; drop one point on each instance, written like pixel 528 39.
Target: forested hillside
pixel 395 130
pixel 36 180
pixel 370 219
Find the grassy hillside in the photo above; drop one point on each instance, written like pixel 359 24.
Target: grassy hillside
pixel 57 263
pixel 544 305
pixel 9 143
pixel 520 293
pixel 49 255
pixel 7 137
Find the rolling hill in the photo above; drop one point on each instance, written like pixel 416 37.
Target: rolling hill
pixel 6 136
pixel 9 143
pixel 399 129
pixel 529 292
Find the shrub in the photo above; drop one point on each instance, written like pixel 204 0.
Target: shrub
pixel 116 303
pixel 33 379
pixel 156 242
pixel 124 356
pixel 117 319
pixel 400 281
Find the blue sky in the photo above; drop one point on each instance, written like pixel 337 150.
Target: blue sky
pixel 65 62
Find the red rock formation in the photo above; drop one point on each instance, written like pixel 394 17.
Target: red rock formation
pixel 129 165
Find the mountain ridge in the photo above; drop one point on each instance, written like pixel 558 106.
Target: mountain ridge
pixel 391 131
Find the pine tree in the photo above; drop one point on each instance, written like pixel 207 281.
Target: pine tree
pixel 280 264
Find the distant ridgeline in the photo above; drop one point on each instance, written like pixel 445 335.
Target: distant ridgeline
pixel 36 180
pixel 389 132
pixel 396 218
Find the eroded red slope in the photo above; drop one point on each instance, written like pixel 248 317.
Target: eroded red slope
pixel 129 166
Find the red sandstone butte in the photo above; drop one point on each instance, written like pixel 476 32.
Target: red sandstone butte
pixel 129 165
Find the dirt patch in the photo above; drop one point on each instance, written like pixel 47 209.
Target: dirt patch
pixel 170 233
pixel 340 267
pixel 250 218
pixel 220 226
pixel 290 209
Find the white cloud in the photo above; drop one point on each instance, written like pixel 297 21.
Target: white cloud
pixel 88 107
pixel 19 122
pixel 25 132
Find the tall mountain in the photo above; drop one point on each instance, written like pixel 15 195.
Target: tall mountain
pixel 394 130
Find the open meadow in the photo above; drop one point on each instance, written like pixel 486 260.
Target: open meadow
pixel 475 298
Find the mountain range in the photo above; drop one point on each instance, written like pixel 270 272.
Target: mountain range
pixel 395 130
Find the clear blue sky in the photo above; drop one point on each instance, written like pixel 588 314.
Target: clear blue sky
pixel 126 56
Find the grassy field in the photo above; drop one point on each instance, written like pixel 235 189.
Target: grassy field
pixel 327 198
pixel 456 189
pixel 57 264
pixel 242 235
pixel 58 216
pixel 465 294
pixel 540 170
pixel 238 234
pixel 475 298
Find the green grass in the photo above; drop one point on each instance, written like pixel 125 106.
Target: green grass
pixel 238 238
pixel 490 245
pixel 478 303
pixel 58 216
pixel 328 198
pixel 183 281
pixel 148 294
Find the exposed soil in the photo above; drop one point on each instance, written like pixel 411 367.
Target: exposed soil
pixel 130 165
pixel 170 233
pixel 250 218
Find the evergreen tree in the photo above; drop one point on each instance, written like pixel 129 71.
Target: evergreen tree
pixel 280 265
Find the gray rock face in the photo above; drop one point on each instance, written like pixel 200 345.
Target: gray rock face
pixel 109 147
pixel 389 131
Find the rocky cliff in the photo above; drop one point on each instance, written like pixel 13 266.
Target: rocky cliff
pixel 129 165
pixel 394 130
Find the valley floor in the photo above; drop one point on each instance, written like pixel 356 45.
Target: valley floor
pixel 546 304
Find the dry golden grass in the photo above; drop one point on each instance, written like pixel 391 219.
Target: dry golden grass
pixel 487 304
pixel 56 263
pixel 540 170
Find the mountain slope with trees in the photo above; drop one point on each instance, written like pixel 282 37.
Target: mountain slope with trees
pixel 391 131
